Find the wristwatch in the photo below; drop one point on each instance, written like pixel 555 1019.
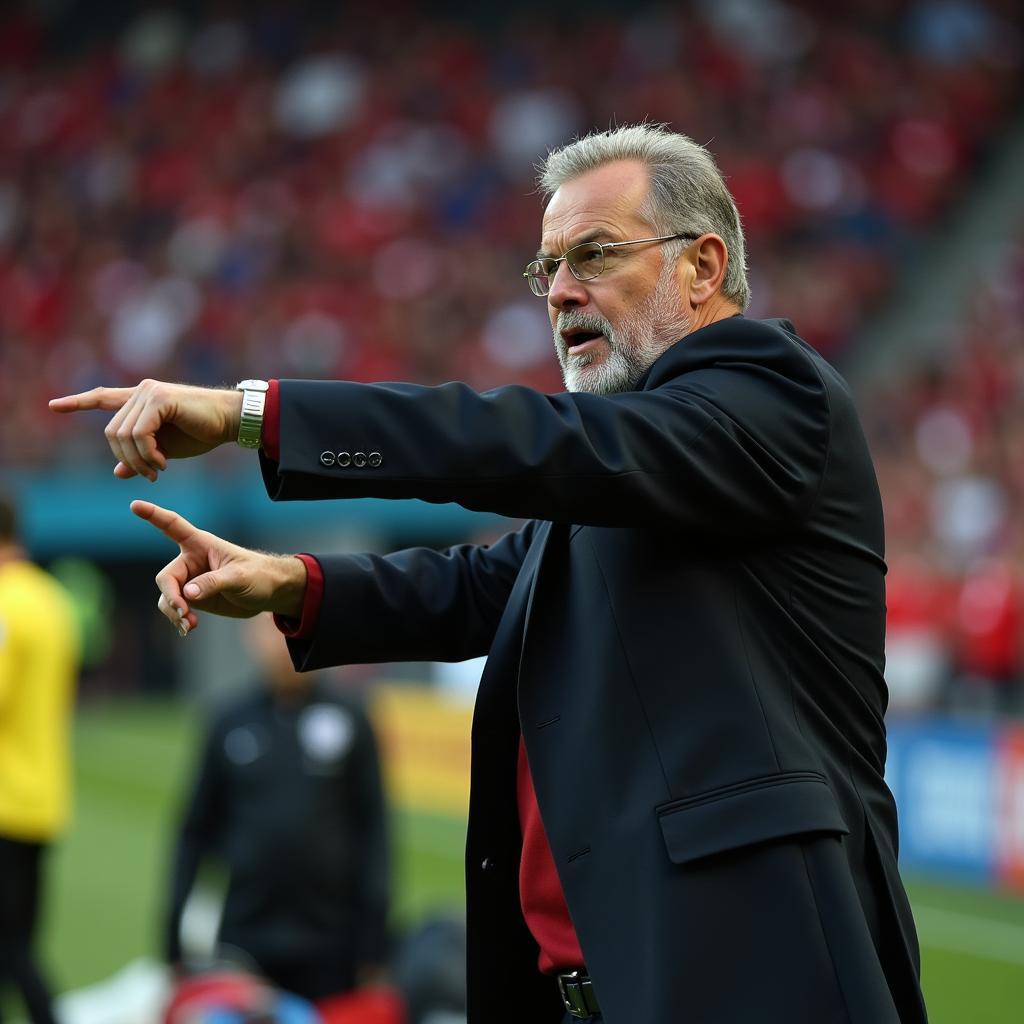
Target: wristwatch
pixel 250 424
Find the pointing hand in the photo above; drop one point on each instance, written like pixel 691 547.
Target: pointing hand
pixel 155 422
pixel 216 576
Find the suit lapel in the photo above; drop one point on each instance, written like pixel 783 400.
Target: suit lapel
pixel 555 536
pixel 500 680
pixel 532 566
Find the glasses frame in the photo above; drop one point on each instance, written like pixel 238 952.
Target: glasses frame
pixel 602 246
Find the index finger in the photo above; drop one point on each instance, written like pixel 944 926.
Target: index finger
pixel 98 398
pixel 177 527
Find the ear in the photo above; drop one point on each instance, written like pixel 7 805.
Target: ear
pixel 708 259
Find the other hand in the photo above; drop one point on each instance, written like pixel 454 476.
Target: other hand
pixel 155 422
pixel 214 575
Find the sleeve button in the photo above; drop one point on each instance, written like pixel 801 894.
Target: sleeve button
pixel 344 459
pixel 327 458
pixel 359 459
pixel 374 459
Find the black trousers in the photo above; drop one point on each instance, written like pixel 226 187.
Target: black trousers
pixel 20 865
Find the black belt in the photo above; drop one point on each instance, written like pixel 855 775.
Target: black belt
pixel 578 994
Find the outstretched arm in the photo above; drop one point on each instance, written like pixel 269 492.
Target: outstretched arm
pixel 416 604
pixel 412 605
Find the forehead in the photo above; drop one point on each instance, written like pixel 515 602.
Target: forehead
pixel 605 201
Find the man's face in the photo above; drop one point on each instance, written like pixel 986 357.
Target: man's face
pixel 609 330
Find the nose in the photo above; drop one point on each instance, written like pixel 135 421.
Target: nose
pixel 566 292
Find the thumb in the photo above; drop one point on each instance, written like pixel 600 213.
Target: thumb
pixel 209 584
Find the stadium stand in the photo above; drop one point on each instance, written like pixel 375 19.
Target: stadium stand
pixel 192 194
pixel 323 194
pixel 949 448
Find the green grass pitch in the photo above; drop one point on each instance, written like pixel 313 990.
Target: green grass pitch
pixel 104 900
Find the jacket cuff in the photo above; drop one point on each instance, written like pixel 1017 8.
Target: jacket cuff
pixel 270 440
pixel 303 627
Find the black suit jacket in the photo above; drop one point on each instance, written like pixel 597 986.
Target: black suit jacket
pixel 689 634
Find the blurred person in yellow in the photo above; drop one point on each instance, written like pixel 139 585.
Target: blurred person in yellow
pixel 39 649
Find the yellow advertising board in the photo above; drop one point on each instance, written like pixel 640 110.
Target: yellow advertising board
pixel 424 739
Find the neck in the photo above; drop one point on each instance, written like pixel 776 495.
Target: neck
pixel 716 308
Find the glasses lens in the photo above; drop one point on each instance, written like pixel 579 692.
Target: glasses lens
pixel 539 274
pixel 586 260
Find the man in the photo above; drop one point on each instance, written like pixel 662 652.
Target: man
pixel 288 796
pixel 683 697
pixel 38 670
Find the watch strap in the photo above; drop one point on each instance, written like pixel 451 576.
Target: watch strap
pixel 250 423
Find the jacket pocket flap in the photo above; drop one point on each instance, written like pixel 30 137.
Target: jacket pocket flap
pixel 752 812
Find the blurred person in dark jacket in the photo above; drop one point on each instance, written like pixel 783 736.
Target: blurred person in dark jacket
pixel 288 797
pixel 39 648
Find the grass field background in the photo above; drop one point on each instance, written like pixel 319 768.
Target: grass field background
pixel 107 878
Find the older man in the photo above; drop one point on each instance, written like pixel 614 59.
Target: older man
pixel 678 811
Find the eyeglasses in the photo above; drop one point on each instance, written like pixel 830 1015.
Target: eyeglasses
pixel 585 261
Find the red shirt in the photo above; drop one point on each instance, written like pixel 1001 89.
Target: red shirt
pixel 540 890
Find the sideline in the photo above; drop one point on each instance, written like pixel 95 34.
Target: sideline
pixel 958 932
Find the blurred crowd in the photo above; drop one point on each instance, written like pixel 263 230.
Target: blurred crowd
pixel 308 191
pixel 205 192
pixel 949 449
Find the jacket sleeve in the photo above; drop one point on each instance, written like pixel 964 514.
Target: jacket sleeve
pixel 197 833
pixel 733 442
pixel 413 605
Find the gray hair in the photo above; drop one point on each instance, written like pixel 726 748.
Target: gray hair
pixel 687 196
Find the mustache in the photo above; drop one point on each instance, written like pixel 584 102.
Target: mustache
pixel 574 320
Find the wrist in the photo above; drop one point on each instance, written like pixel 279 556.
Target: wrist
pixel 289 592
pixel 232 414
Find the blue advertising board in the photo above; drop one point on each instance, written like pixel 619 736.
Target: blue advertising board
pixel 945 777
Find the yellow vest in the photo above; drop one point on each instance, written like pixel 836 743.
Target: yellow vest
pixel 38 670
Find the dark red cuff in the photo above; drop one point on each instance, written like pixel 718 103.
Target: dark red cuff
pixel 302 627
pixel 271 436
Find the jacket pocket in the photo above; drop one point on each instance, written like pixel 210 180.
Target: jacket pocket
pixel 755 811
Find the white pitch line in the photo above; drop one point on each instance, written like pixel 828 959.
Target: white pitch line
pixel 968 933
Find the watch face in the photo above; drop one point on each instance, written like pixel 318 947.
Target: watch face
pixel 252 385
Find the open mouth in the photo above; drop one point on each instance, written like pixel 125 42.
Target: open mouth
pixel 578 341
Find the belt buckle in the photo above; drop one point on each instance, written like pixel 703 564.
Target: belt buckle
pixel 571 988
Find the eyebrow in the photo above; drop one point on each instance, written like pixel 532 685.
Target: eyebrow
pixel 598 235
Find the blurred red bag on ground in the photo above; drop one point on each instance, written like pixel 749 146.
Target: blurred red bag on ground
pixel 377 1005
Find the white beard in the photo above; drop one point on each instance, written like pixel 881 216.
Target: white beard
pixel 643 335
